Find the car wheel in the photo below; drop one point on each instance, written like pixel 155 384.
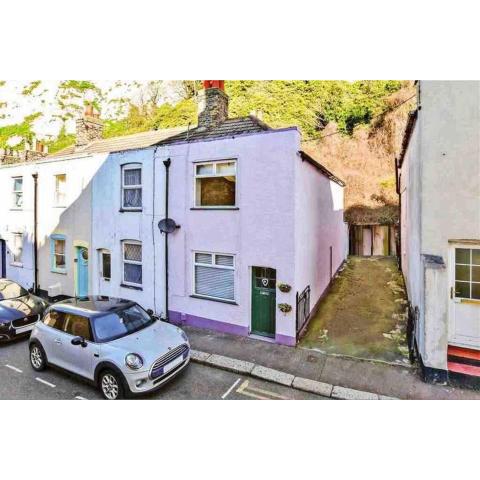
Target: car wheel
pixel 111 385
pixel 38 359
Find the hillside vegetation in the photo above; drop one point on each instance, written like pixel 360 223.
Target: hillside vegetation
pixel 362 116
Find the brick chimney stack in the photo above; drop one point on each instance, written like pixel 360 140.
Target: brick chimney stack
pixel 89 127
pixel 212 104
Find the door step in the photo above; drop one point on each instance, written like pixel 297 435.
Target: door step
pixel 464 361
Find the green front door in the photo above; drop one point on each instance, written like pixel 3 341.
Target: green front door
pixel 263 301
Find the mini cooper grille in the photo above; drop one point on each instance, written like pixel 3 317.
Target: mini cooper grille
pixel 25 321
pixel 157 368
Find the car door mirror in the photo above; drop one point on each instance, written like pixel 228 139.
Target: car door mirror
pixel 150 312
pixel 79 341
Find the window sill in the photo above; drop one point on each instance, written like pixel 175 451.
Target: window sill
pixel 61 272
pixel 200 297
pixel 214 208
pixel 16 264
pixel 123 210
pixel 16 209
pixel 59 206
pixel 131 287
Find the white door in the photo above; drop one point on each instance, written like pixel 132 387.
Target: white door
pixel 464 312
pixel 367 241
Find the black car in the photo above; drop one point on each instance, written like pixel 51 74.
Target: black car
pixel 19 310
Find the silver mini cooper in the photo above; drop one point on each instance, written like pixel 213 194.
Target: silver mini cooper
pixel 113 343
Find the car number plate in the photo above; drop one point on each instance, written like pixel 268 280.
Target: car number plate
pixel 173 364
pixel 24 329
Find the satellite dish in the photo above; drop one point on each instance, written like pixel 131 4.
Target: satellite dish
pixel 167 225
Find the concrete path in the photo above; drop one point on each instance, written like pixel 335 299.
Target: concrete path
pixel 371 377
pixel 364 313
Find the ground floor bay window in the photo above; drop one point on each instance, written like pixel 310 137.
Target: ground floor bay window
pixel 214 276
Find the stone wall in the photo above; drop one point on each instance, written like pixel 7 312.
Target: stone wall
pixel 212 107
pixel 88 129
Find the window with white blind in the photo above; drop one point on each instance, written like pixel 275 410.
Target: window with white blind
pixel 17 202
pixel 17 248
pixel 214 275
pixel 60 198
pixel 132 262
pixel 132 186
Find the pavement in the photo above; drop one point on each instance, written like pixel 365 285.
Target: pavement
pixel 18 381
pixel 372 377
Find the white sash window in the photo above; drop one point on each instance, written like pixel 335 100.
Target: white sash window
pixel 132 187
pixel 132 263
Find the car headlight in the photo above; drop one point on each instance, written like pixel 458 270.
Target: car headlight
pixel 4 326
pixel 133 361
pixel 184 335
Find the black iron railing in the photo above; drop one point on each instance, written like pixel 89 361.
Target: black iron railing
pixel 303 308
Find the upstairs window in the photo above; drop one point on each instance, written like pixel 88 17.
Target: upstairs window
pixel 17 248
pixel 214 275
pixel 17 192
pixel 215 184
pixel 60 190
pixel 57 251
pixel 132 263
pixel 132 187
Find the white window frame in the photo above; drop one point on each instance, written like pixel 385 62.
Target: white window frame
pixel 56 193
pixel 134 262
pixel 214 163
pixel 16 192
pixel 124 168
pixel 102 252
pixel 213 265
pixel 16 262
pixel 58 238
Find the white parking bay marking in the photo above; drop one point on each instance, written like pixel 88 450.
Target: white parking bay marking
pixel 15 369
pixel 80 398
pixel 45 382
pixel 227 393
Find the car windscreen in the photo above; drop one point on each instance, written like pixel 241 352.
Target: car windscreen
pixel 120 323
pixel 10 290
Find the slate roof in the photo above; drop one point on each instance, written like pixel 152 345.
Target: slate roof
pixel 229 128
pixel 127 142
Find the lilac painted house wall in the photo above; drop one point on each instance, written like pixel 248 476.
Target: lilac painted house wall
pixel 288 216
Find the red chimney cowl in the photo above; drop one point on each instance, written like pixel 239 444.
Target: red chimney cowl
pixel 214 84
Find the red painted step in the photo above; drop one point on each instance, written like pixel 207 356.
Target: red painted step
pixel 465 369
pixel 463 352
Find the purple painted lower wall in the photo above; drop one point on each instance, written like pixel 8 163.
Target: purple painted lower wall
pixel 179 318
pixel 285 340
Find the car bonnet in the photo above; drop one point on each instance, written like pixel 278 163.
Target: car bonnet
pixel 151 342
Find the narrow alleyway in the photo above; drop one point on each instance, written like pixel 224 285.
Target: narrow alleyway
pixel 364 313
